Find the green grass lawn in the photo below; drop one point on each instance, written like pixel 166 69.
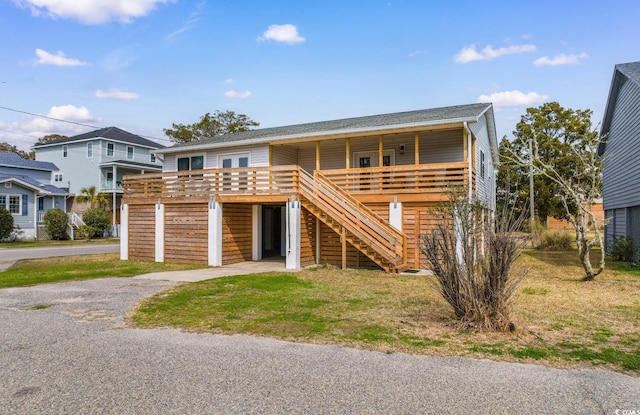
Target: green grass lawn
pixel 47 270
pixel 44 244
pixel 560 320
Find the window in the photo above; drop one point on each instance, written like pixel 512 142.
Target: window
pixel 482 165
pixel 57 177
pixel 153 158
pixel 14 204
pixel 41 204
pixel 8 185
pixel 65 151
pixel 191 163
pixel 110 149
pixel 129 153
pixel 89 150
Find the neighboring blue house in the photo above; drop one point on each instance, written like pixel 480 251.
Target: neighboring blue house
pixel 100 158
pixel 621 152
pixel 26 190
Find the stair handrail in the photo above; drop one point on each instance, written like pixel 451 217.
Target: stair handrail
pixel 354 213
pixel 75 219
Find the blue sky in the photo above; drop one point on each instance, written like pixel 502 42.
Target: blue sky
pixel 142 65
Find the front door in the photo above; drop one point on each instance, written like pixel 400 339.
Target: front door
pixel 234 180
pixel 366 159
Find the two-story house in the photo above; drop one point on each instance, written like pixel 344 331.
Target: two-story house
pixel 27 191
pixel 100 158
pixel 350 192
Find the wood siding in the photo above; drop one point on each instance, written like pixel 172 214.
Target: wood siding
pixel 308 236
pixel 186 233
pixel 236 233
pixel 142 232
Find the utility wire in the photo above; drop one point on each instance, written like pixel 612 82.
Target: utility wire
pixel 71 122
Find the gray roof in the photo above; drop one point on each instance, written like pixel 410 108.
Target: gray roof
pixel 133 164
pixel 14 160
pixel 112 133
pixel 47 188
pixel 459 113
pixel 629 71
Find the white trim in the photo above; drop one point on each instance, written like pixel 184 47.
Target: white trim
pixel 113 154
pixel 89 146
pixel 133 153
pixel 159 209
pixel 189 156
pixel 234 155
pixel 256 224
pixel 129 143
pixel 124 232
pixel 293 235
pixel 215 234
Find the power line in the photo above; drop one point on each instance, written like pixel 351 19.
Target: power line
pixel 70 122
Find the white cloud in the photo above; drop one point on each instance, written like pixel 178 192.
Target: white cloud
pixel 38 127
pixel 236 94
pixel 46 58
pixel 92 11
pixel 416 53
pixel 513 98
pixel 228 81
pixel 470 53
pixel 194 18
pixel 561 59
pixel 117 93
pixel 286 33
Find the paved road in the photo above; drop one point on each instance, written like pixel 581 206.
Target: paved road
pixel 77 356
pixel 9 256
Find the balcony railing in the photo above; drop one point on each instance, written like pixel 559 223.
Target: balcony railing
pixel 425 180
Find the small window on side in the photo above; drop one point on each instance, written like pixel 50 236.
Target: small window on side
pixel 110 150
pixel 129 153
pixel 65 151
pixel 89 150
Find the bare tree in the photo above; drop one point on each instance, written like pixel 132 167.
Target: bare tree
pixel 472 259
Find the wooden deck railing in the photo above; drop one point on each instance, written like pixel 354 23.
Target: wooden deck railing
pixel 278 180
pixel 424 179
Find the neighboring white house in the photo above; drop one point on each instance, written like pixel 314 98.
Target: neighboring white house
pixel 621 152
pixel 26 190
pixel 100 158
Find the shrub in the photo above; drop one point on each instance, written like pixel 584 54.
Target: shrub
pixel 87 232
pixel 556 241
pixel 98 219
pixel 6 223
pixel 55 223
pixel 623 249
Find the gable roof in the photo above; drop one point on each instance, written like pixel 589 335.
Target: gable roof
pixel 8 158
pixel 366 124
pixel 111 133
pixel 33 184
pixel 621 73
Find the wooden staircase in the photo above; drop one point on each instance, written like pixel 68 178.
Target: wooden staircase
pixel 353 221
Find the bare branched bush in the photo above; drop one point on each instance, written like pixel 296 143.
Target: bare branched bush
pixel 472 257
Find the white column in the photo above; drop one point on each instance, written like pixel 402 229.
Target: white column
pixel 124 232
pixel 215 233
pixel 395 215
pixel 293 235
pixel 159 232
pixel 256 222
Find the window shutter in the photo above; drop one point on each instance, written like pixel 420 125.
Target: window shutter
pixel 25 205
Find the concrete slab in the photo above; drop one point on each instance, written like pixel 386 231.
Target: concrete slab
pixel 242 268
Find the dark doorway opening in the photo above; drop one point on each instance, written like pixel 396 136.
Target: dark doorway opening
pixel 271 231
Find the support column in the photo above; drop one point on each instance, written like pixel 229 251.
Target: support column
pixel 256 234
pixel 159 232
pixel 124 232
pixel 215 233
pixel 395 215
pixel 317 155
pixel 293 234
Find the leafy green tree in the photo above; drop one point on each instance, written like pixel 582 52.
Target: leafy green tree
pixel 55 223
pixel 96 199
pixel 557 131
pixel 564 159
pixel 97 219
pixel 13 149
pixel 50 138
pixel 209 126
pixel 6 223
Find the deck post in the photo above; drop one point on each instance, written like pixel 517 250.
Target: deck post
pixel 293 234
pixel 395 214
pixel 124 232
pixel 215 233
pixel 256 224
pixel 159 232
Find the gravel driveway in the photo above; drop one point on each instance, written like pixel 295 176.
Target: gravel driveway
pixel 78 357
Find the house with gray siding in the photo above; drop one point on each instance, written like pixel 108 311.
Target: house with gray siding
pixel 27 191
pixel 354 192
pixel 100 158
pixel 621 155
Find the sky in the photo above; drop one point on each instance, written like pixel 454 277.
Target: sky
pixel 143 65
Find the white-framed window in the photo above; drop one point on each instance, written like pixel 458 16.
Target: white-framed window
pixel 153 158
pixel 65 151
pixel 483 166
pixel 129 153
pixel 57 178
pixel 13 203
pixel 8 185
pixel 191 163
pixel 89 150
pixel 110 149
